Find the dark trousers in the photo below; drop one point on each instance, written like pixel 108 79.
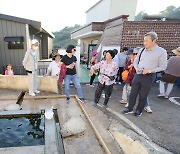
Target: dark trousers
pixel 60 89
pixel 119 74
pixel 92 79
pixel 141 86
pixel 107 89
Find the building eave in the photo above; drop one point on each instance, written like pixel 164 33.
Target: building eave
pixel 88 34
pixel 20 20
pixel 35 24
pixel 49 33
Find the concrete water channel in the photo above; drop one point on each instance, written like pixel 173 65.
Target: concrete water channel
pixel 67 132
pixel 76 127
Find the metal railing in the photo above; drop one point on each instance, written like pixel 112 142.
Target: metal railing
pixel 19 70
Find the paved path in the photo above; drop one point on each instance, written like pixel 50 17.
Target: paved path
pixel 162 126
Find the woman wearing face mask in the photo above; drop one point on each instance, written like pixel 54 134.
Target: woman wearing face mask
pixel 30 64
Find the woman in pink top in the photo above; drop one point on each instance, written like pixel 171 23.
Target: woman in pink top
pixel 9 70
pixel 108 72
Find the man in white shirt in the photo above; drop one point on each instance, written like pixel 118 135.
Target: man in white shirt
pixel 150 59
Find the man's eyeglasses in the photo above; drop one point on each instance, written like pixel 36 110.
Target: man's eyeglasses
pixel 135 53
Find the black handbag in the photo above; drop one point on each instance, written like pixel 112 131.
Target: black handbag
pixel 110 77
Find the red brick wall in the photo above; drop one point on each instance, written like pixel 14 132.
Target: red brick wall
pixel 112 33
pixel 130 33
pixel 168 33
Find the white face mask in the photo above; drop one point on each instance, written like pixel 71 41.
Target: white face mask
pixel 35 48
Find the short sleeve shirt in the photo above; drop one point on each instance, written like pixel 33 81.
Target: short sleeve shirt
pixel 67 61
pixel 108 69
pixel 54 68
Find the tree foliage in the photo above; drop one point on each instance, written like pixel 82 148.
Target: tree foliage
pixel 170 11
pixel 140 16
pixel 63 37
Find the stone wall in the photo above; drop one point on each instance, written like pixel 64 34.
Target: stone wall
pixel 20 82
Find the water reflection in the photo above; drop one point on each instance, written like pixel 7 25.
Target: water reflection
pixel 22 131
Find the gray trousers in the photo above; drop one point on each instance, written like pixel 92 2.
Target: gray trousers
pixel 141 86
pixel 33 82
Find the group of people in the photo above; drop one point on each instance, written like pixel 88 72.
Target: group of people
pixel 136 67
pixel 142 64
pixel 61 68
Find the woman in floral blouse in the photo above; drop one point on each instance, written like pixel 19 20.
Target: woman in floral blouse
pixel 108 71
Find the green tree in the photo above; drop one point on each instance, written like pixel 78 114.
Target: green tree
pixel 140 16
pixel 170 11
pixel 63 37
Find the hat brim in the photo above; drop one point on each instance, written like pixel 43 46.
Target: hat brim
pixel 176 52
pixel 56 55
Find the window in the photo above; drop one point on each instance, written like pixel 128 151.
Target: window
pixel 15 42
pixel 15 45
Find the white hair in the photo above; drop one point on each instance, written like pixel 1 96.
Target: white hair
pixel 152 34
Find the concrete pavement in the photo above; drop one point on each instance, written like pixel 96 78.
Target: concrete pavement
pixel 162 126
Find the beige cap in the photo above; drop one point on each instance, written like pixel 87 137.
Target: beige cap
pixel 176 51
pixel 34 41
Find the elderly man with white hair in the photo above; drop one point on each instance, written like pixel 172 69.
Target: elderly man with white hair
pixel 30 64
pixel 150 59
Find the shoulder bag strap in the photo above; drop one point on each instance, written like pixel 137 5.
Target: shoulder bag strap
pixel 140 55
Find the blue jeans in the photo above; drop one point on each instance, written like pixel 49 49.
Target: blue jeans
pixel 76 81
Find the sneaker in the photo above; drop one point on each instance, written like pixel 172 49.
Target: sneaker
pixel 95 104
pixel 166 97
pixel 126 105
pixel 138 114
pixel 148 109
pixel 91 85
pixel 37 92
pixel 67 100
pixel 123 101
pixel 161 95
pixel 32 94
pixel 127 111
pixel 82 100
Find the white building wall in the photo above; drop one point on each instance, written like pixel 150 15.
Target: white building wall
pixel 100 12
pixel 123 7
pixel 108 9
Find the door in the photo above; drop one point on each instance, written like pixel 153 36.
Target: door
pixel 91 47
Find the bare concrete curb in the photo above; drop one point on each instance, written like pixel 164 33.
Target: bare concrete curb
pixel 101 141
pixel 127 144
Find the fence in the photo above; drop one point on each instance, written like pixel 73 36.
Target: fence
pixel 19 70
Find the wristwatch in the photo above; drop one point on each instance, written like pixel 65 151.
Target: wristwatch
pixel 149 72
